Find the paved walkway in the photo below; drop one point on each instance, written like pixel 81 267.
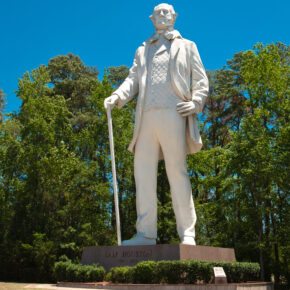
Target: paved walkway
pixel 52 286
pixel 241 286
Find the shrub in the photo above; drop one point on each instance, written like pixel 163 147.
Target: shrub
pixel 96 274
pixel 187 272
pixel 149 272
pixel 145 272
pixel 120 275
pixel 240 272
pixel 171 272
pixel 199 271
pixel 69 272
pixel 60 270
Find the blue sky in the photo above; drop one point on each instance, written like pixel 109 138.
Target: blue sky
pixel 107 33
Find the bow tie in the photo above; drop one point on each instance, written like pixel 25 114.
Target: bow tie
pixel 169 35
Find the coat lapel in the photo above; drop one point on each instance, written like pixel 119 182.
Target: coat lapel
pixel 143 72
pixel 178 84
pixel 142 86
pixel 173 49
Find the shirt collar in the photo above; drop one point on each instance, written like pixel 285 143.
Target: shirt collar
pixel 169 35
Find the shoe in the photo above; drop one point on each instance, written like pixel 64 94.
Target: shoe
pixel 188 241
pixel 139 240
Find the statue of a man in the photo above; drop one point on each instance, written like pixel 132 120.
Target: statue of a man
pixel 172 86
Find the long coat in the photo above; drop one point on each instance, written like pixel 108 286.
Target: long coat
pixel 188 80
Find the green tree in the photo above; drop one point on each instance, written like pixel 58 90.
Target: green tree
pixel 223 112
pixel 50 190
pixel 258 160
pixel 2 104
pixel 55 172
pixel 116 75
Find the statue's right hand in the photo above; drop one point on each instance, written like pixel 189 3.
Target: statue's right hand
pixel 111 101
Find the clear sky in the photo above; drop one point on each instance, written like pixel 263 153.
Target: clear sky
pixel 107 33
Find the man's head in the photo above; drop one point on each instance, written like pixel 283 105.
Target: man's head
pixel 163 16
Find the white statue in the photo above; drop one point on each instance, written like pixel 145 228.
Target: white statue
pixel 172 86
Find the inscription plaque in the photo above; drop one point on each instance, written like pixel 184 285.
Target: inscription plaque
pixel 219 275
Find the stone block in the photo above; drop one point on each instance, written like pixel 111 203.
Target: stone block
pixel 117 256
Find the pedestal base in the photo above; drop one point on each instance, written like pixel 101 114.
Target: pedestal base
pixel 117 256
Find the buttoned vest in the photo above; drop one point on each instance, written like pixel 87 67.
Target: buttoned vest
pixel 159 93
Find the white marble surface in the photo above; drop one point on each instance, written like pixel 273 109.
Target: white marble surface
pixel 168 130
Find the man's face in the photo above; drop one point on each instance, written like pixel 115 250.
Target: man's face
pixel 163 17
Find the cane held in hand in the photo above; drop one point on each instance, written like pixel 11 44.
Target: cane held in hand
pixel 115 188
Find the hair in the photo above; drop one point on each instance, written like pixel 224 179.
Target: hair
pixel 170 8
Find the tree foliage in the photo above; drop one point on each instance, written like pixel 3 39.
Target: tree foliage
pixel 2 104
pixel 55 170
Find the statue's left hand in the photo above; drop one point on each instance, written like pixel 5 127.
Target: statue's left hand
pixel 186 108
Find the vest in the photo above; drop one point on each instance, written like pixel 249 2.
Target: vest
pixel 159 93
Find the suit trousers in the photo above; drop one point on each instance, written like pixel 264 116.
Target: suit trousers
pixel 162 129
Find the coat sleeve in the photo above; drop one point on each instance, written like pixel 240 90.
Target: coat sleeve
pixel 130 87
pixel 199 80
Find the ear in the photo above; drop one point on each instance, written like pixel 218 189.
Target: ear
pixel 152 18
pixel 174 18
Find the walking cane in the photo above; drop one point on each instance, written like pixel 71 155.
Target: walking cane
pixel 111 138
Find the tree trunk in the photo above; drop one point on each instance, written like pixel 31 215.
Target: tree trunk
pixel 261 257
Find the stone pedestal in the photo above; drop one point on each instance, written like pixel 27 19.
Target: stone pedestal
pixel 117 256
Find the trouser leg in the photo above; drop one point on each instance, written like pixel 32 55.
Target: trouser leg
pixel 145 171
pixel 173 144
